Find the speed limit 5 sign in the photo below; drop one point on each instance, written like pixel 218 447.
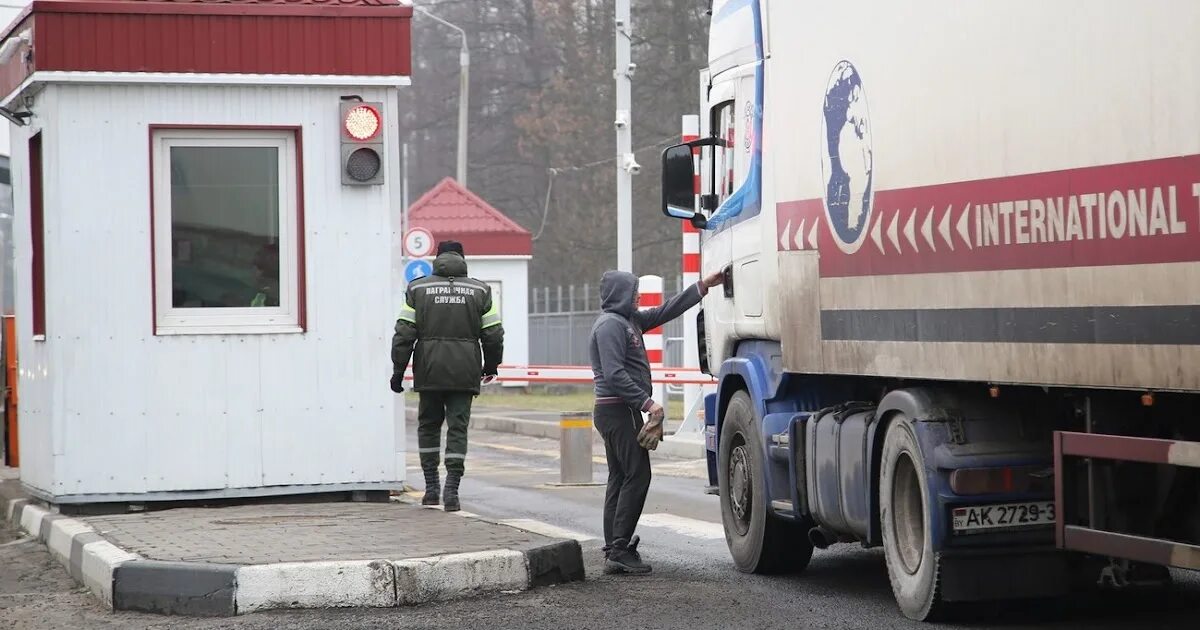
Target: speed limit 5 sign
pixel 418 243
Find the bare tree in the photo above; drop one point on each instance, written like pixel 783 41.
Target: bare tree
pixel 542 103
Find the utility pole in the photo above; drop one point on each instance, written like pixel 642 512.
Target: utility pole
pixel 626 165
pixel 464 89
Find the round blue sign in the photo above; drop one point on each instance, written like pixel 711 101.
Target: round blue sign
pixel 417 269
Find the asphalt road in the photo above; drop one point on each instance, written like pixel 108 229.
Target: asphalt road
pixel 693 585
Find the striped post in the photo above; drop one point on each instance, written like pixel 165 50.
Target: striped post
pixel 691 266
pixel 651 290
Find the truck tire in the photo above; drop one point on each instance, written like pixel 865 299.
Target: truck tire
pixel 758 542
pixel 913 567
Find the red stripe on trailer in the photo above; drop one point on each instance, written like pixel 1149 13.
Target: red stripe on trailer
pixel 654 356
pixel 1118 214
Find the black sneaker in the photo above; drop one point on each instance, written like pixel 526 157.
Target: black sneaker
pixel 633 546
pixel 623 558
pixel 609 569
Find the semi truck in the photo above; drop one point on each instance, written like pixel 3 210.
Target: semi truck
pixel 961 311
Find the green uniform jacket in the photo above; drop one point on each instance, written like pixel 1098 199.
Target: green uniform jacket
pixel 450 318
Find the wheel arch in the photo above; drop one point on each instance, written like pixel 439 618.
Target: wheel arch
pixel 753 371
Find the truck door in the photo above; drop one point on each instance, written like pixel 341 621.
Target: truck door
pixel 718 180
pixel 733 241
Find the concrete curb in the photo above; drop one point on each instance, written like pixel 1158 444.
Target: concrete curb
pixel 670 447
pixel 126 581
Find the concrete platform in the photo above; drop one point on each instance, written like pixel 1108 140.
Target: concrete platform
pixel 232 560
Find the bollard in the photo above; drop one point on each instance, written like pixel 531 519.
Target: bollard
pixel 575 448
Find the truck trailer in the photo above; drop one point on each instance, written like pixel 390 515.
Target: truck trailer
pixel 961 310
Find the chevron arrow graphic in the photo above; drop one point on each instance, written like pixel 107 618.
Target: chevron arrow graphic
pixel 927 229
pixel 875 233
pixel 962 226
pixel 944 227
pixel 892 236
pixel 909 232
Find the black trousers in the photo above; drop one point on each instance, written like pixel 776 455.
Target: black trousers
pixel 628 470
pixel 453 408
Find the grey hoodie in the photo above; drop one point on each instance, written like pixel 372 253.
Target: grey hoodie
pixel 618 355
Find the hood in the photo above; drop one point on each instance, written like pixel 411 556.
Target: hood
pixel 450 265
pixel 617 289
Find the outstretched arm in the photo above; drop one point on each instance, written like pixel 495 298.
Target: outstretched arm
pixel 654 317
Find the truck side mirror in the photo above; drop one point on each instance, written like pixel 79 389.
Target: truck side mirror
pixel 678 187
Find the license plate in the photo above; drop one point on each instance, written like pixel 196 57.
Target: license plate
pixel 977 518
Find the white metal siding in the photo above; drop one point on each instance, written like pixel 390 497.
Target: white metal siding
pixel 514 304
pixel 35 381
pixel 146 413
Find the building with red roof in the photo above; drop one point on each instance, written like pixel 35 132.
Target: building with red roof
pixel 498 252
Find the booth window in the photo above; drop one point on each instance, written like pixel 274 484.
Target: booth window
pixel 228 240
pixel 37 236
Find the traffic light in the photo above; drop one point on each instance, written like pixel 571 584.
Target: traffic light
pixel 362 143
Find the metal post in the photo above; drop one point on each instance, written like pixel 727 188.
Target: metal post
pixel 404 187
pixel 624 123
pixel 651 290
pixel 575 448
pixel 691 270
pixel 464 87
pixel 571 325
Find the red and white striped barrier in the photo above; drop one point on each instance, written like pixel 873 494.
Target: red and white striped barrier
pixel 572 374
pixel 690 264
pixel 651 290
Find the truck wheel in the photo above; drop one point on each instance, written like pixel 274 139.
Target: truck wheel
pixel 914 569
pixel 758 542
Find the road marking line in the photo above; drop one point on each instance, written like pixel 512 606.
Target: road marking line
pixel 546 529
pixel 691 527
pixel 530 451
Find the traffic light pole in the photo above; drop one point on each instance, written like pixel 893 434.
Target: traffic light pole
pixel 623 73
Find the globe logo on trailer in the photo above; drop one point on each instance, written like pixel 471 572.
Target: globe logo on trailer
pixel 847 160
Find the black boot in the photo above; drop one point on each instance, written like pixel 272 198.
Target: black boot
pixel 452 480
pixel 432 488
pixel 624 557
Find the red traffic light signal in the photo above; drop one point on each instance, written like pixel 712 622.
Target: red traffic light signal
pixel 361 126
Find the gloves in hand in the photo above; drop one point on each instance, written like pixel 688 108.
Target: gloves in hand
pixel 652 432
pixel 397 383
pixel 488 375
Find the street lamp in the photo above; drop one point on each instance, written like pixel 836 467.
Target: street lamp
pixel 464 62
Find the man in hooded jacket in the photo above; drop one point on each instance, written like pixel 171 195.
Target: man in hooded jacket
pixel 455 327
pixel 623 392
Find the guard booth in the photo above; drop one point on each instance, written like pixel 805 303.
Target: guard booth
pixel 202 196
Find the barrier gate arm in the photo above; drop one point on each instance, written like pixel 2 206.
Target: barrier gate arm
pixel 1092 540
pixel 583 375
